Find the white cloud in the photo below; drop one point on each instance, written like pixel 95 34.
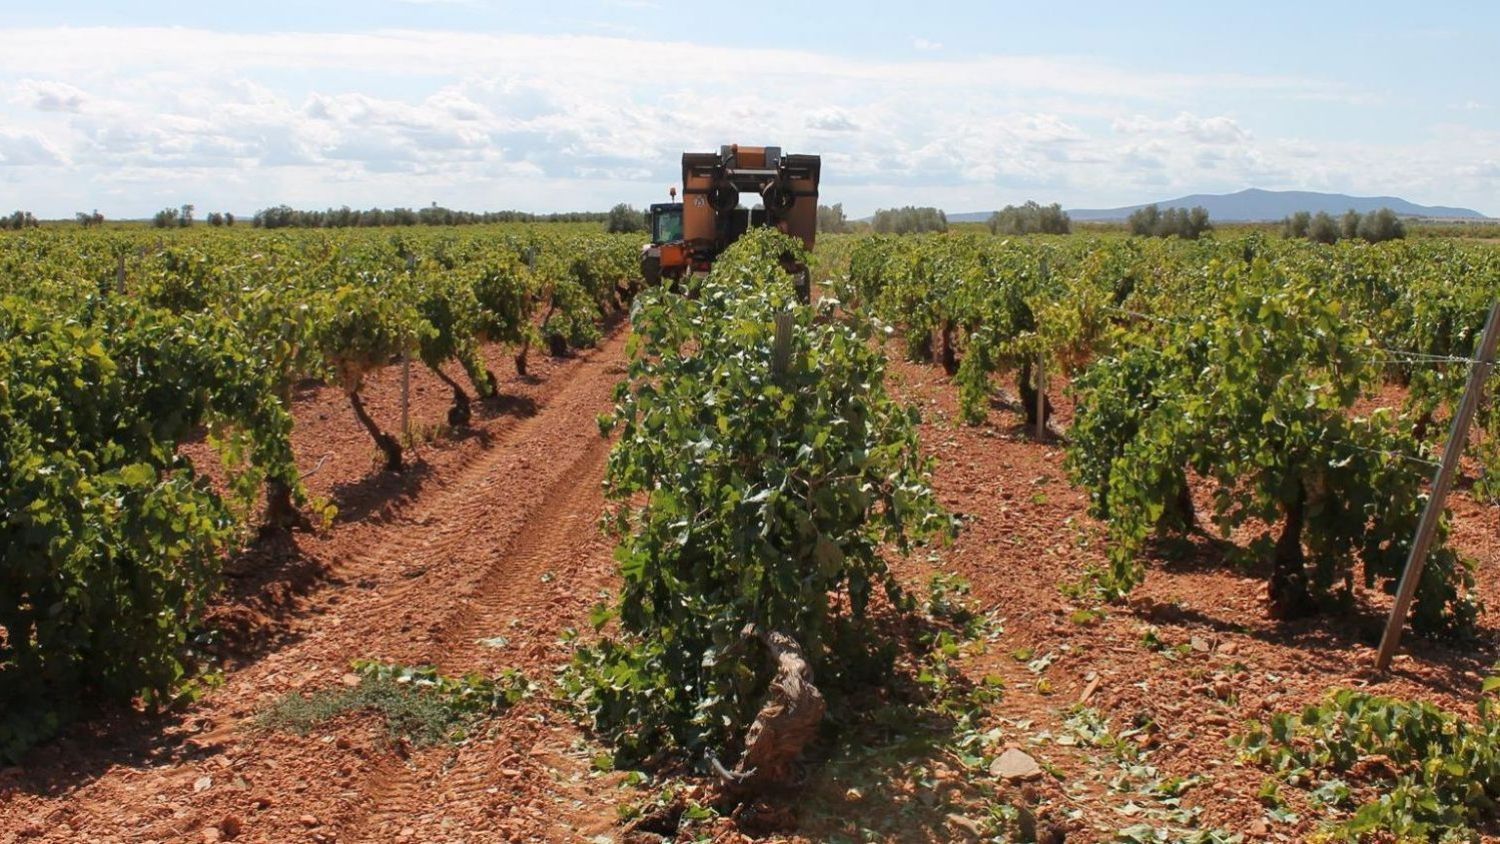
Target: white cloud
pixel 1207 130
pixel 617 61
pixel 926 45
pixel 831 120
pixel 160 116
pixel 48 96
pixel 20 149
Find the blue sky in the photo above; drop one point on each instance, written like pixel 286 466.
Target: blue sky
pixel 480 104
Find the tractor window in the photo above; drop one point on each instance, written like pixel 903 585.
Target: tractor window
pixel 668 226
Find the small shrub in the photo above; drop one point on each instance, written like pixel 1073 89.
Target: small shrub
pixel 417 704
pixel 1427 774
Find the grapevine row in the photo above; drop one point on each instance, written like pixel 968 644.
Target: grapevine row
pixel 117 349
pixel 1247 367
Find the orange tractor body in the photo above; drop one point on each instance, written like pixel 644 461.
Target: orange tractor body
pixel 687 236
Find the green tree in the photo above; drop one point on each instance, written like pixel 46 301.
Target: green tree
pixel 1187 224
pixel 909 220
pixel 1030 218
pixel 625 219
pixel 1323 228
pixel 1382 225
pixel 1349 225
pixel 1296 225
pixel 1144 222
pixel 831 219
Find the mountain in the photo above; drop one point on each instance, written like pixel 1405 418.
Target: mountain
pixel 1255 205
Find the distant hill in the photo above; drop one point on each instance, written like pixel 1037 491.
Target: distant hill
pixel 1255 205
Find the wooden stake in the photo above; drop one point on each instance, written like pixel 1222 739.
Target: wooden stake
pixel 781 343
pixel 405 398
pixel 1041 396
pixel 411 268
pixel 1452 451
pixel 1041 376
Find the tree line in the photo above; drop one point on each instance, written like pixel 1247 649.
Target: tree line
pixel 19 220
pixel 1374 226
pixel 1030 218
pixel 909 220
pixel 284 216
pixel 1185 223
pixel 170 218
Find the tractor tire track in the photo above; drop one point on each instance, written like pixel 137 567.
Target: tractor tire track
pixel 540 582
pixel 504 542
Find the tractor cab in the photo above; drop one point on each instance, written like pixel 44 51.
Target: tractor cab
pixel 666 255
pixel 666 223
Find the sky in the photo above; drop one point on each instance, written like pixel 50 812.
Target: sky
pixel 128 107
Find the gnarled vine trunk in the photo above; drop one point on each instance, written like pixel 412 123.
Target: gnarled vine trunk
pixel 1289 593
pixel 461 411
pixel 787 721
pixel 526 343
pixel 1180 512
pixel 385 442
pixel 919 347
pixel 1027 389
pixel 1420 427
pixel 950 354
pixel 281 513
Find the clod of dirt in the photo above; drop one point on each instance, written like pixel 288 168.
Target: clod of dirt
pixel 1222 688
pixel 761 817
pixel 230 827
pixel 658 825
pixel 1025 821
pixel 1372 768
pixel 968 828
pixel 1015 765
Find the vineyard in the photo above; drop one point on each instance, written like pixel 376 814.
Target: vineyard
pixel 461 534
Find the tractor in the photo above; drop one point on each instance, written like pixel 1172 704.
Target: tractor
pixel 687 236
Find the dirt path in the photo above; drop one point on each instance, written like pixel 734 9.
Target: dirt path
pixel 501 545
